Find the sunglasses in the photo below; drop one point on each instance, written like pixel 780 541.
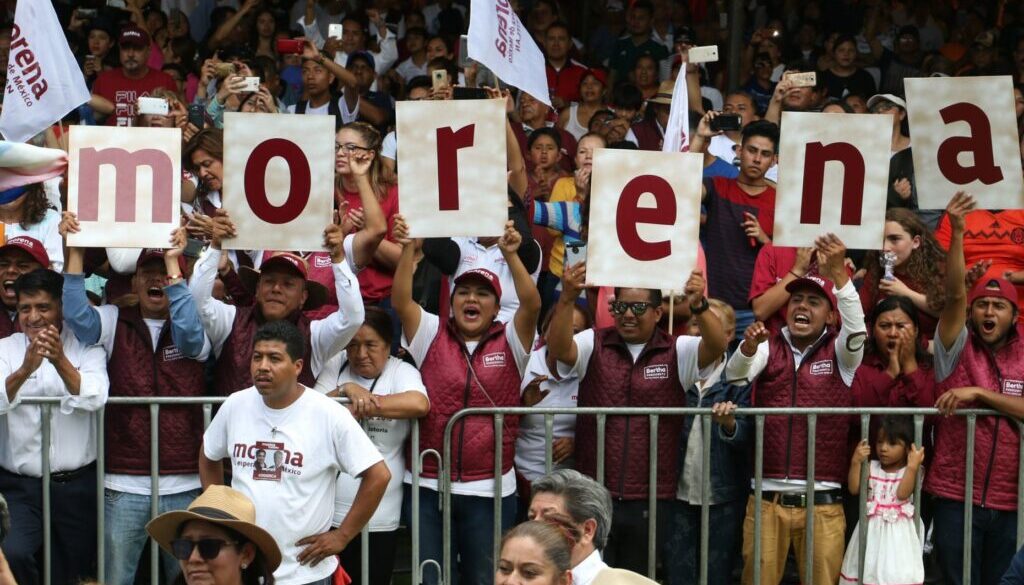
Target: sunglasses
pixel 637 308
pixel 209 548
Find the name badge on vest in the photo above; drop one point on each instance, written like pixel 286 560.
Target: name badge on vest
pixel 172 353
pixel 1013 387
pixel 659 372
pixel 822 368
pixel 494 360
pixel 322 262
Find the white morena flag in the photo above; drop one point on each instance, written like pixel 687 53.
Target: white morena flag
pixel 44 81
pixel 677 133
pixel 499 41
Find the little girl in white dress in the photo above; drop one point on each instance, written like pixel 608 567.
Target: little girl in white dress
pixel 893 555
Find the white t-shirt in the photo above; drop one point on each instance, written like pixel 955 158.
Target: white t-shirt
pixel 531 443
pixel 724 148
pixel 287 462
pixel 387 434
pixel 347 115
pixel 389 146
pixel 687 368
pixel 429 326
pixel 472 254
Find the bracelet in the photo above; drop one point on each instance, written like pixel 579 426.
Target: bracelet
pixel 795 274
pixel 703 306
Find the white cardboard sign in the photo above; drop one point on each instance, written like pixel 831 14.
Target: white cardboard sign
pixel 278 180
pixel 833 174
pixel 453 167
pixel 125 185
pixel 965 139
pixel 646 207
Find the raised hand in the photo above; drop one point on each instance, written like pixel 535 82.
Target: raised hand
pixel 693 290
pixel 532 394
pixel 400 230
pixel 832 259
pixel 511 239
pixel 68 224
pixel 755 335
pixel 574 280
pixel 915 456
pixel 959 206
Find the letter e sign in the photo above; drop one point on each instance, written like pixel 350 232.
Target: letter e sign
pixel 965 139
pixel 454 162
pixel 833 170
pixel 646 207
pixel 278 180
pixel 125 185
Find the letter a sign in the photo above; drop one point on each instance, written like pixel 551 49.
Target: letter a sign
pixel 965 139
pixel 646 206
pixel 278 180
pixel 452 166
pixel 125 185
pixel 833 170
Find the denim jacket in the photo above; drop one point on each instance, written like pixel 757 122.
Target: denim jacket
pixel 730 455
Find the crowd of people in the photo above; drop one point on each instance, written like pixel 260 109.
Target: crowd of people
pixel 412 331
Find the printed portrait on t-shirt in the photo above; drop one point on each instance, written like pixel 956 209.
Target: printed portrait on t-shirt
pixel 269 463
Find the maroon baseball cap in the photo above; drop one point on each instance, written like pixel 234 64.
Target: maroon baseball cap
pixel 481 275
pixel 31 246
pixel 316 293
pixel 133 36
pixel 994 287
pixel 815 283
pixel 148 254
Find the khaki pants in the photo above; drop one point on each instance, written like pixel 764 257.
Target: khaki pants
pixel 782 527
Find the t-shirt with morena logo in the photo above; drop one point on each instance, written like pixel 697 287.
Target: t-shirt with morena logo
pixel 287 461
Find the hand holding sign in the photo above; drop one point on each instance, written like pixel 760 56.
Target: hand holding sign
pixel 694 288
pixel 832 259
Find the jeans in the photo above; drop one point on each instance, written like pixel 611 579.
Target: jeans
pixel 993 542
pixel 124 533
pixel 382 557
pixel 472 534
pixel 72 524
pixel 627 541
pixel 682 558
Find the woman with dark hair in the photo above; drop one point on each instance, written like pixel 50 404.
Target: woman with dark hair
pixel 217 542
pixel 593 91
pixel 538 552
pixel 896 365
pixel 544 146
pixel 26 211
pixel 910 264
pixel 389 391
pixel 843 76
pixel 264 33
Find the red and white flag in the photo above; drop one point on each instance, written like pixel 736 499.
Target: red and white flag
pixel 499 41
pixel 677 133
pixel 44 81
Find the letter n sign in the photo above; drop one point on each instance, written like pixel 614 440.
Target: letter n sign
pixel 965 139
pixel 452 167
pixel 646 207
pixel 125 185
pixel 278 180
pixel 833 170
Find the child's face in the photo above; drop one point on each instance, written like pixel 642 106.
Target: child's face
pixel 889 454
pixel 544 153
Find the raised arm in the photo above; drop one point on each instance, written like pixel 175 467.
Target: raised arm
pixel 561 345
pixel 232 23
pixel 517 178
pixel 344 77
pixel 217 317
pixel 953 317
pixel 401 288
pixel 80 316
pixel 368 239
pixel 713 342
pixel 331 334
pixel 849 343
pixel 525 319
pixel 186 328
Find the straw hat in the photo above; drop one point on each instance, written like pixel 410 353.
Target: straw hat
pixel 222 506
pixel 621 577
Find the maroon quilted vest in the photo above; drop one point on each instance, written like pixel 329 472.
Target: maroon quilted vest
pixel 997 440
pixel 136 370
pixel 452 386
pixel 232 371
pixel 613 380
pixel 7 324
pixel 817 384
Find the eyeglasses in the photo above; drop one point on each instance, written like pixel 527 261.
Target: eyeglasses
pixel 638 308
pixel 349 148
pixel 209 548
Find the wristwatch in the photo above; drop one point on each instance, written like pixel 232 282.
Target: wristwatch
pixel 703 306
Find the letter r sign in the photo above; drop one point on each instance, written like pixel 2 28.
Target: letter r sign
pixel 832 178
pixel 646 206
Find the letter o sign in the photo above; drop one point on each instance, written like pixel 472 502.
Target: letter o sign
pixel 255 189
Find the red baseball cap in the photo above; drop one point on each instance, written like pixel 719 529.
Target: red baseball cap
pixel 133 36
pixel 31 246
pixel 148 254
pixel 481 275
pixel 993 287
pixel 316 293
pixel 815 283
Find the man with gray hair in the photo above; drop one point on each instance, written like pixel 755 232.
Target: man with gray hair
pixel 589 504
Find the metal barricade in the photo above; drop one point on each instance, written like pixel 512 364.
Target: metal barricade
pixel 653 415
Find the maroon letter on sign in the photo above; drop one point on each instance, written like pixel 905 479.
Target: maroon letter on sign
pixel 255 173
pixel 448 145
pixel 816 155
pixel 979 143
pixel 628 215
pixel 125 165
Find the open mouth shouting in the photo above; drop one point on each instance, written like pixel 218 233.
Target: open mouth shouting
pixel 988 326
pixel 155 294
